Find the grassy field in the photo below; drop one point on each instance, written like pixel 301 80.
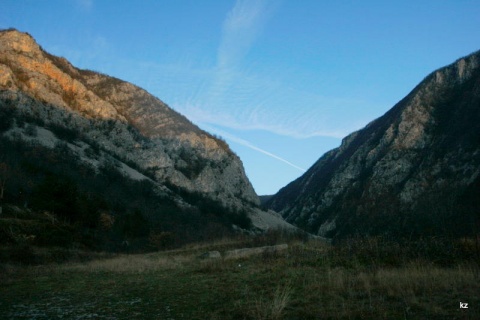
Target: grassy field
pixel 310 280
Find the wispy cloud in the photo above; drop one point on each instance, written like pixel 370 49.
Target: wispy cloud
pixel 280 110
pixel 234 95
pixel 240 28
pixel 84 4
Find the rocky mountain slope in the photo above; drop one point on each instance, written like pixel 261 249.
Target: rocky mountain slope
pixel 412 172
pixel 120 117
pixel 108 127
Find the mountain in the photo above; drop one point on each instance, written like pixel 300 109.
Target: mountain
pixel 106 144
pixel 412 172
pixel 264 199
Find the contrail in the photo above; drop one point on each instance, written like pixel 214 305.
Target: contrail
pixel 248 144
pixel 253 147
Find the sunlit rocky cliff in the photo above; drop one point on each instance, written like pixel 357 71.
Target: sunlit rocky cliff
pixel 122 118
pixel 141 127
pixel 86 128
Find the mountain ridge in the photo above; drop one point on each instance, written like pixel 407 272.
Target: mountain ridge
pixel 118 136
pixel 95 96
pixel 387 168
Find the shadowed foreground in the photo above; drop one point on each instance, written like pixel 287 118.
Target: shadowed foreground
pixel 361 279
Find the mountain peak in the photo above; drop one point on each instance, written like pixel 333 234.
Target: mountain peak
pixel 21 42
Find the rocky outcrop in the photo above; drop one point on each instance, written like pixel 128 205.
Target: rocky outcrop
pixel 244 252
pixel 122 120
pixel 210 255
pixel 413 171
pixel 248 252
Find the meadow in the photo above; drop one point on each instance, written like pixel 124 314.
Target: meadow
pixel 369 278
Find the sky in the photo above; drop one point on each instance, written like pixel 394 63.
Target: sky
pixel 282 81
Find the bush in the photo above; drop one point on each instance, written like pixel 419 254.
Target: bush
pixel 64 133
pixel 22 254
pixel 6 118
pixel 387 252
pixel 56 236
pixel 31 130
pixel 132 225
pixel 162 240
pixel 240 219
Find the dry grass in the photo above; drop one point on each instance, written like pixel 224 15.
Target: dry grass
pixel 423 278
pixel 416 277
pixel 280 301
pixel 273 308
pixel 307 281
pixel 131 264
pixel 417 290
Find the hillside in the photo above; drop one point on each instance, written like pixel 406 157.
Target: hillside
pixel 412 172
pixel 82 145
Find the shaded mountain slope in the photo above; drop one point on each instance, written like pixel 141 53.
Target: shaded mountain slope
pixel 413 171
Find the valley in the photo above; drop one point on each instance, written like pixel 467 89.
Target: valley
pixel 364 279
pixel 115 206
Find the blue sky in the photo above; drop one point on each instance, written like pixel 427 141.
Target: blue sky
pixel 281 81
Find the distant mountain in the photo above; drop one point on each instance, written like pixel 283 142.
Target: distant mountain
pixel 70 131
pixel 412 172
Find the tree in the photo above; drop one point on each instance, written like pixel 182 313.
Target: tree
pixel 57 194
pixel 4 176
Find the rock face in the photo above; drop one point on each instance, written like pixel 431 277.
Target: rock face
pixel 413 171
pixel 121 119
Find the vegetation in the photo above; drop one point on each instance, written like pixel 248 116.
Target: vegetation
pixel 357 279
pixel 96 210
pixel 83 241
pixel 38 180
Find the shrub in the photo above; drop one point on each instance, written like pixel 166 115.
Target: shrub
pixel 6 118
pixel 56 236
pixel 106 221
pixel 31 130
pixel 64 133
pixel 385 252
pixel 22 254
pixel 162 240
pixel 240 219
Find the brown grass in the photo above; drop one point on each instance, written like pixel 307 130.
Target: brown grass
pixel 308 281
pixel 131 264
pixel 272 308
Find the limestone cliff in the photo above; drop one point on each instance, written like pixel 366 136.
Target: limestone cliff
pixel 122 120
pixel 413 171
